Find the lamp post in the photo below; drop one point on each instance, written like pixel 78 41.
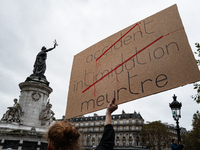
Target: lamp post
pixel 176 113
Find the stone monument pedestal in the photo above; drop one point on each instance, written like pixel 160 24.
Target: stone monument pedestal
pixel 23 124
pixel 33 100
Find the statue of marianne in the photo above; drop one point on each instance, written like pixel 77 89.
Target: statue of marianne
pixel 39 67
pixel 40 62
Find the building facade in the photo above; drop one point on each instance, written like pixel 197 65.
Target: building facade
pixel 127 130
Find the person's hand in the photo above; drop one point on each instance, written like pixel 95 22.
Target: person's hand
pixel 111 106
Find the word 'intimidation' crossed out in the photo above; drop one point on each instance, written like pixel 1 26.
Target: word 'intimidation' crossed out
pixel 129 57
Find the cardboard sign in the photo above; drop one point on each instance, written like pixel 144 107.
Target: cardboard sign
pixel 145 58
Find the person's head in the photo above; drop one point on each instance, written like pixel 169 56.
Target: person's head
pixel 49 106
pixel 63 136
pixel 174 141
pixel 43 48
pixel 15 100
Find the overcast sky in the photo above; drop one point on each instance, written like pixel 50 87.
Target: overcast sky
pixel 26 26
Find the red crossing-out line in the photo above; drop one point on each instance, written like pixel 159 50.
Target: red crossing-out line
pixel 118 40
pixel 129 57
pixel 122 64
pixel 173 31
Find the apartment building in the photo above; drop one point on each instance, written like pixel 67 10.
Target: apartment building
pixel 127 128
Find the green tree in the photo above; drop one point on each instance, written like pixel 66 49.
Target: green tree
pixel 196 85
pixel 192 139
pixel 155 135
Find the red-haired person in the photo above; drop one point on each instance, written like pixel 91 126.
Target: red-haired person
pixel 64 136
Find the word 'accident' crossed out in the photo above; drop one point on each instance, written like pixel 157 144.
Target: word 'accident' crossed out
pixel 129 57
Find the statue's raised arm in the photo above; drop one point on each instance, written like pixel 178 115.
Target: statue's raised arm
pixel 55 44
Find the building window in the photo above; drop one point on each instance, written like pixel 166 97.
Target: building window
pixel 124 121
pixel 79 124
pixel 88 129
pixel 136 121
pixel 100 123
pixel 118 122
pixel 93 129
pixel 130 121
pixel 124 143
pixel 92 143
pixel 130 143
pixel 83 130
pixel 137 140
pixel 117 142
pixel 93 136
pixel 84 124
pixel 117 135
pixel 136 128
pixel 130 128
pixel 89 124
pixel 124 135
pixel 99 135
pixel 130 135
pixel 112 122
pixel 119 116
pixel 117 128
pixel 124 128
pixel 113 117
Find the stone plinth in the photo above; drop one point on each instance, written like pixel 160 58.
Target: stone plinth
pixel 20 137
pixel 33 99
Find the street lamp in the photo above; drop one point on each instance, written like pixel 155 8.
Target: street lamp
pixel 176 113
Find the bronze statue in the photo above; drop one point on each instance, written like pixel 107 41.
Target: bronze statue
pixel 40 65
pixel 40 62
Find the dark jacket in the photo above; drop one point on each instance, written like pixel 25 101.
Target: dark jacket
pixel 174 146
pixel 108 139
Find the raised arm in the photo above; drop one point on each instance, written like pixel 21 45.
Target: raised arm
pixel 108 139
pixel 110 109
pixel 55 44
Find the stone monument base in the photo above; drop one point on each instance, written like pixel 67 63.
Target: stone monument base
pixel 20 137
pixel 39 79
pixel 33 100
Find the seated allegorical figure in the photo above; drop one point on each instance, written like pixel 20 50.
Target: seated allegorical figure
pixel 13 114
pixel 47 115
